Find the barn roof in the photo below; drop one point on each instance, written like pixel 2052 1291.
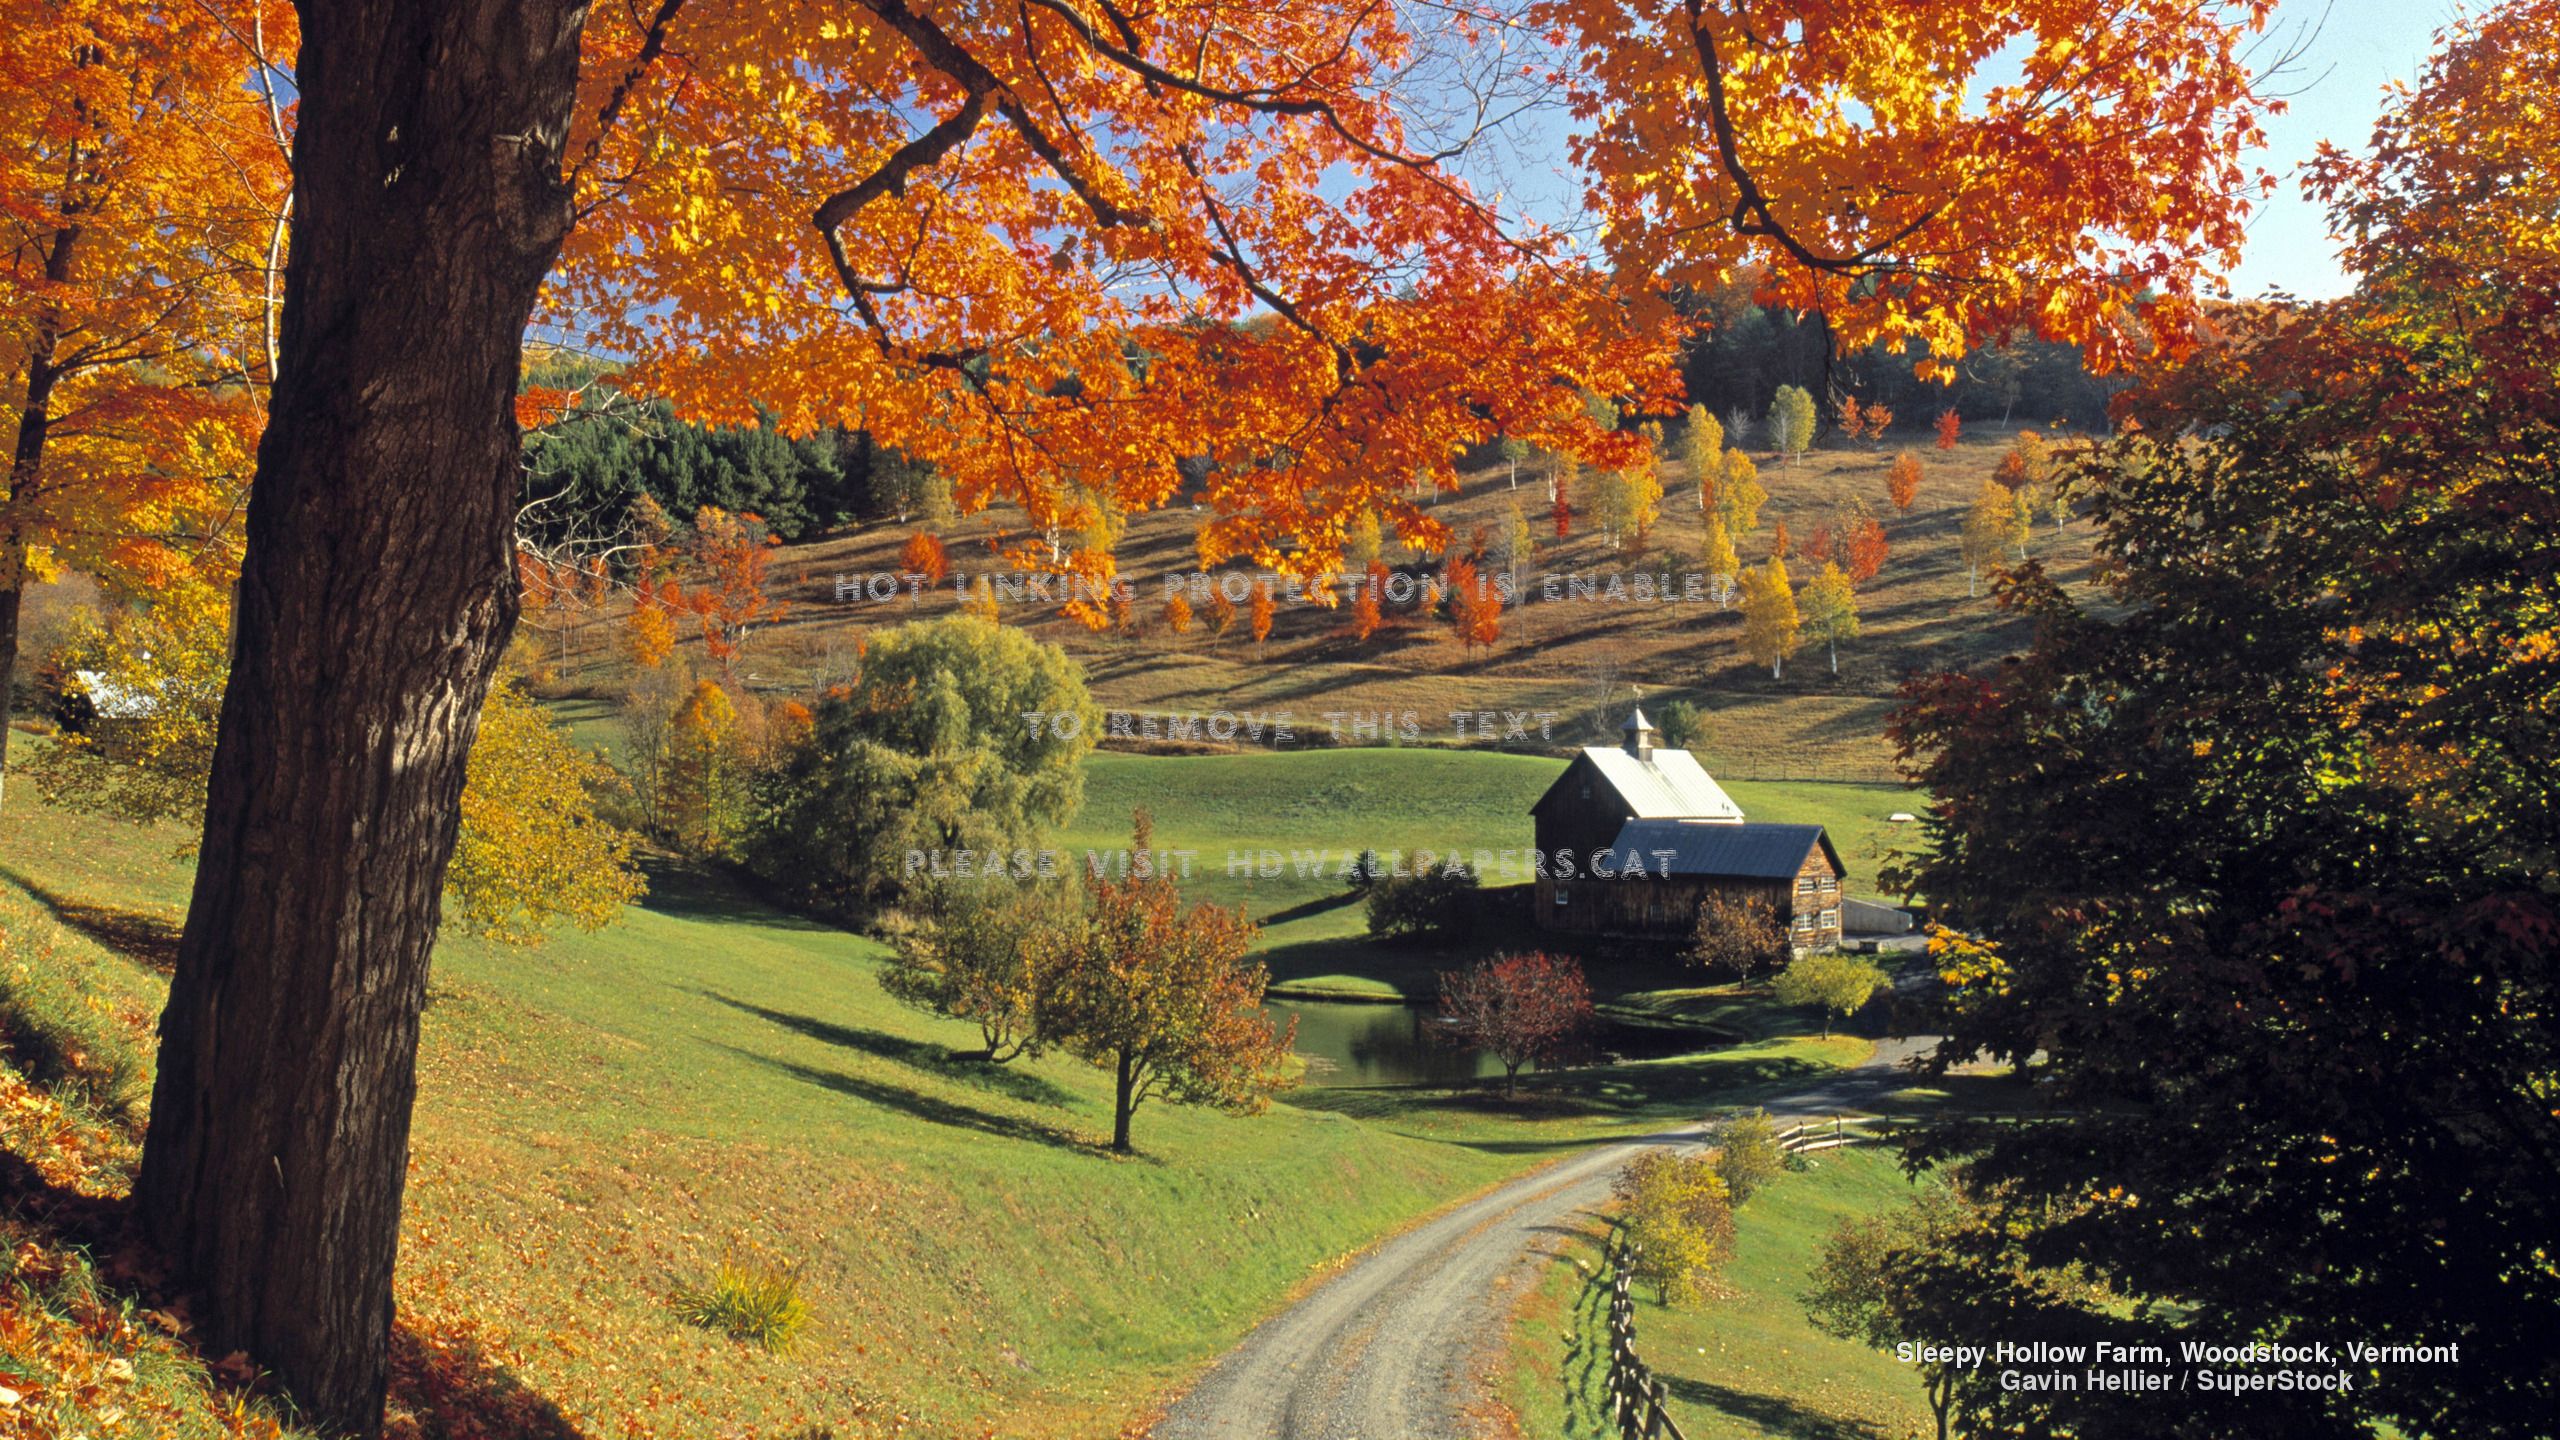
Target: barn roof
pixel 1750 851
pixel 1665 784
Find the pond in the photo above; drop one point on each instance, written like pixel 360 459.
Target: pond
pixel 1346 1043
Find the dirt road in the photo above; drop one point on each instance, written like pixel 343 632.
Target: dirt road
pixel 1399 1345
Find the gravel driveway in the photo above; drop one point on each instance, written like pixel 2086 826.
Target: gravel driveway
pixel 1402 1345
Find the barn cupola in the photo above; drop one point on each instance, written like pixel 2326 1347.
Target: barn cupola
pixel 1640 735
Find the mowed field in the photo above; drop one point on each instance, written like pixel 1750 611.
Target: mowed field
pixel 1275 832
pixel 605 1119
pixel 1581 660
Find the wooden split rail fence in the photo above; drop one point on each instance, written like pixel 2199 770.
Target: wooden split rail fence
pixel 1636 1394
pixel 1809 1135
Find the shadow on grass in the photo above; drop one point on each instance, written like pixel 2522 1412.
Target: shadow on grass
pixel 442 1385
pixel 937 1060
pixel 1318 906
pixel 1666 1091
pixel 446 1385
pixel 687 891
pixel 924 1107
pixel 138 935
pixel 1773 1414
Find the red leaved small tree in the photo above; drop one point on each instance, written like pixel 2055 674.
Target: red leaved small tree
pixel 1519 1008
pixel 1902 478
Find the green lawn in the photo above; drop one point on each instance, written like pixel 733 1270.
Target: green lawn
pixel 603 1119
pixel 1308 813
pixel 1742 1366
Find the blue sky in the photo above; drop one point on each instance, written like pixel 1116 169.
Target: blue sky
pixel 2359 47
pixel 2349 50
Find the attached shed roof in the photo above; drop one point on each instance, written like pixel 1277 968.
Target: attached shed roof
pixel 1748 851
pixel 1666 784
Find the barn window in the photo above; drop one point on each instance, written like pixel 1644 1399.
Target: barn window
pixel 1830 883
pixel 1804 884
pixel 1804 922
pixel 1830 919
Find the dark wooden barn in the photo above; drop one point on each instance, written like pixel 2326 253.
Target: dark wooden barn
pixel 1632 839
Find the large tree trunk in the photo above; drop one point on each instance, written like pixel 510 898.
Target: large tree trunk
pixel 375 599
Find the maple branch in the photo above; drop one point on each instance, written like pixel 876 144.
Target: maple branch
pixel 1231 256
pixel 1752 214
pixel 953 59
pixel 890 178
pixel 653 41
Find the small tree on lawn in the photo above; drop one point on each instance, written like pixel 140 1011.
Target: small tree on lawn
pixel 1990 529
pixel 1177 614
pixel 1737 935
pixel 1678 1222
pixel 1515 450
pixel 1770 624
pixel 1720 559
pixel 1365 871
pixel 1518 1008
pixel 1949 427
pixel 1865 549
pixel 1366 618
pixel 1791 420
pixel 1839 984
pixel 1263 607
pixel 1518 540
pixel 1740 496
pixel 1829 607
pixel 1902 480
pixel 1702 450
pixel 984 958
pixel 923 556
pixel 1164 998
pixel 1748 1154
pixel 1222 614
pixel 1475 605
pixel 1360 548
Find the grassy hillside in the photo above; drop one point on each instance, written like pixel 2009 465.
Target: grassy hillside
pixel 603 1120
pixel 1744 1365
pixel 1582 660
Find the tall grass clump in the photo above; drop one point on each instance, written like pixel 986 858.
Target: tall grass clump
pixel 756 1301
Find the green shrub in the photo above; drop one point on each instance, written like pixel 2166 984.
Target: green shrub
pixel 1677 1222
pixel 1438 901
pixel 755 1301
pixel 1748 1154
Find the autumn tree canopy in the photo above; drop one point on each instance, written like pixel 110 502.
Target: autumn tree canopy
pixel 1056 251
pixel 1059 249
pixel 2281 803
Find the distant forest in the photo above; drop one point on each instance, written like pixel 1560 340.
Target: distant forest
pixel 1748 351
pixel 583 473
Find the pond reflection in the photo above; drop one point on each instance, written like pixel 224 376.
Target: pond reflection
pixel 1346 1043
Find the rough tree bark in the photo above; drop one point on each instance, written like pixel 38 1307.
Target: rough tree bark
pixel 375 600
